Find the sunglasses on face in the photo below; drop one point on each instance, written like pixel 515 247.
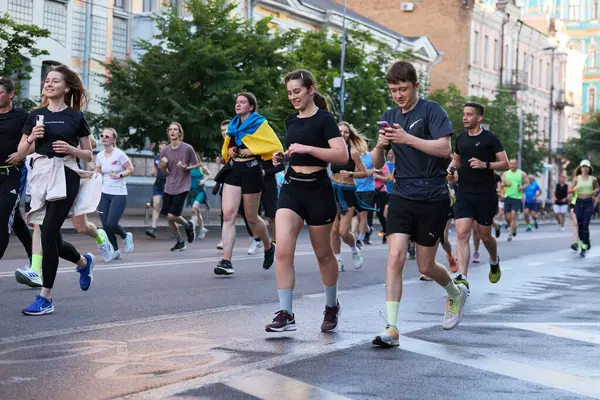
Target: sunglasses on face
pixel 105 137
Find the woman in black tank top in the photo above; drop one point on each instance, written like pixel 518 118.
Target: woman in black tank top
pixel 345 193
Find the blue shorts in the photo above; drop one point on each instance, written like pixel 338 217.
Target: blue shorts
pixel 157 192
pixel 531 205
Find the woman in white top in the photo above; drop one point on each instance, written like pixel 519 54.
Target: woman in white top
pixel 115 166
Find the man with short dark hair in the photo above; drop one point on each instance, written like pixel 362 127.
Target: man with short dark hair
pixel 477 155
pixel 418 132
pixel 12 174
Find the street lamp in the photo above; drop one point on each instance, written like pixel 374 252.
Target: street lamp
pixel 342 66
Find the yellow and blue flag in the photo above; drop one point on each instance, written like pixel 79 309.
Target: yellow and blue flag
pixel 255 133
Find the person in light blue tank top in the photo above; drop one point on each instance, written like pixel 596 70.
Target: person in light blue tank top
pixel 365 189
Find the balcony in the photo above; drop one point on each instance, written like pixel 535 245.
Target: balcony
pixel 518 82
pixel 563 100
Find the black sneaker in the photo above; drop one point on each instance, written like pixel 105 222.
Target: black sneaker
pixel 331 316
pixel 582 253
pixel 575 246
pixel 224 268
pixel 190 231
pixel 282 322
pixel 497 231
pixel 412 253
pixel 179 246
pixel 367 240
pixel 269 257
pixel 359 244
pixel 384 239
pixel 151 232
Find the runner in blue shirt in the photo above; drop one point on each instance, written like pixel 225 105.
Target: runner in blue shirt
pixel 532 192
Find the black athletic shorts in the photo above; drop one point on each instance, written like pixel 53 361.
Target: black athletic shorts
pixel 512 205
pixel 312 198
pixel 268 198
pixel 424 221
pixel 247 175
pixel 173 204
pixel 366 197
pixel 480 207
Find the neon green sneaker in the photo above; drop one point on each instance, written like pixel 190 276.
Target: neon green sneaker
pixel 455 308
pixel 495 273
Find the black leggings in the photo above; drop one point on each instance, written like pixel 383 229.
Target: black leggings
pixel 11 185
pixel 53 245
pixel 111 209
pixel 380 200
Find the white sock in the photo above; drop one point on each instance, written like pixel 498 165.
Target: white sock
pixel 494 262
pixel 354 250
pixel 338 257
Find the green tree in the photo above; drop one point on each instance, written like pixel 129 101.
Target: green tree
pixel 16 41
pixel 191 72
pixel 586 146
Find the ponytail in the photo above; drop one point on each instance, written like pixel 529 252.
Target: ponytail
pixel 320 101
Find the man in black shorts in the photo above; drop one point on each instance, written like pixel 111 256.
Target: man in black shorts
pixel 418 132
pixel 477 155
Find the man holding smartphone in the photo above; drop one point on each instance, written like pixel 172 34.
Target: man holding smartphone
pixel 419 134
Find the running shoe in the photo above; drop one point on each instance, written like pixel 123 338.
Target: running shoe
pixel 151 232
pixel 389 337
pixel 528 228
pixel 359 243
pixel 220 245
pixel 85 274
pixel 412 253
pixel 575 246
pixel 384 239
pixel 460 280
pixel 331 316
pixel 582 252
pixel 128 243
pixel 340 265
pixel 357 259
pixel 381 234
pixel 190 231
pixel 202 234
pixel 254 246
pixel 179 245
pixel 224 268
pixel 425 278
pixel 535 224
pixel 495 273
pixel 269 257
pixel 106 248
pixel 455 308
pixel 476 258
pixel 40 306
pixel 28 277
pixel 497 231
pixel 282 322
pixel 117 255
pixel 367 239
pixel 452 264
pixel 562 229
pixel 509 238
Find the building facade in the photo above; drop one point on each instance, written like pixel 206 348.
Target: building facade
pixel 109 27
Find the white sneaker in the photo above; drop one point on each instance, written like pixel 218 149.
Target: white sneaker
pixel 128 243
pixel 202 234
pixel 117 255
pixel 106 248
pixel 340 265
pixel 357 259
pixel 562 228
pixel 455 308
pixel 254 246
pixel 28 277
pixel 220 245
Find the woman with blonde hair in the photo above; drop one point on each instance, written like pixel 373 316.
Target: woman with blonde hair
pixel 584 186
pixel 342 180
pixel 115 166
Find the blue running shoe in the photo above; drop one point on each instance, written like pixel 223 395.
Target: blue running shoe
pixel 85 273
pixel 40 306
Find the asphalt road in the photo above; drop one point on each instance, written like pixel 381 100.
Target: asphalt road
pixel 162 325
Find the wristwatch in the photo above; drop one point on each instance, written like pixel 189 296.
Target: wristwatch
pixel 487 165
pixel 351 174
pixel 120 175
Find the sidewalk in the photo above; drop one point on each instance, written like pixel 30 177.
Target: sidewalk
pixel 134 220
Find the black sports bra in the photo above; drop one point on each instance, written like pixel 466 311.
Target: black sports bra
pixel 349 166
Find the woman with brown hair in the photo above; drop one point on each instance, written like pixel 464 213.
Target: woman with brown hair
pixel 61 136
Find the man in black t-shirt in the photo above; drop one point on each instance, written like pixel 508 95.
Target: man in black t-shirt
pixel 418 132
pixel 561 200
pixel 478 153
pixel 12 169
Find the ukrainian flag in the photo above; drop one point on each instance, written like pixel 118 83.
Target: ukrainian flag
pixel 255 133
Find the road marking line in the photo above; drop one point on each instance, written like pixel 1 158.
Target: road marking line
pixel 272 386
pixel 163 317
pixel 554 283
pixel 496 365
pixel 583 287
pixel 493 308
pixel 548 329
pixel 319 295
pixel 543 296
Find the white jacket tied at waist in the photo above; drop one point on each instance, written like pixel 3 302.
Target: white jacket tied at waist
pixel 48 183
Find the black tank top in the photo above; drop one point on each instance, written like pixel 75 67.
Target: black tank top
pixel 349 166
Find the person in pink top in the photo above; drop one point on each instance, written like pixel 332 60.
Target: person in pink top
pixel 380 197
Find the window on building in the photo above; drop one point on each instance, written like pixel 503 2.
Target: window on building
pixel 574 10
pixel 496 54
pixel 592 100
pixel 476 48
pixel 55 20
pixel 486 50
pixel 540 71
pixel 78 40
pixel 46 66
pixel 544 131
pixel 548 77
pixel 148 5
pixel 531 67
pixel 594 10
pixel 592 59
pixel 120 37
pixel 120 4
pixel 21 11
pixel 506 64
pixel 98 35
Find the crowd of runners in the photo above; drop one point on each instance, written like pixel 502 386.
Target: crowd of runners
pixel 325 175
